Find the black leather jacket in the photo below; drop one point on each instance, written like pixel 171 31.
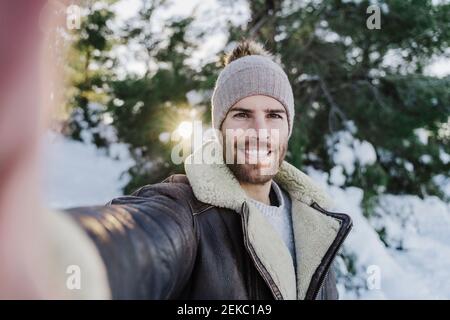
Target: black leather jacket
pixel 162 243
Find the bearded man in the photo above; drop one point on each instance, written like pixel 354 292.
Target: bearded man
pixel 242 223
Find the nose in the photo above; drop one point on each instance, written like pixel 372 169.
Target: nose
pixel 260 122
pixel 261 127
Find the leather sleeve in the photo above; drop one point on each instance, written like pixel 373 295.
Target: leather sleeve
pixel 147 241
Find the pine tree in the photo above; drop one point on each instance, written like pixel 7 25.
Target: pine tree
pixel 344 81
pixel 148 106
pixel 89 71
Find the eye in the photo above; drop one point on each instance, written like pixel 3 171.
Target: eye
pixel 274 115
pixel 241 115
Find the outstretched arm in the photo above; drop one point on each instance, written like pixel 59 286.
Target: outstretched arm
pixel 147 241
pixel 138 246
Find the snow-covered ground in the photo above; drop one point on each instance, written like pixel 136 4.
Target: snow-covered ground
pixel 79 174
pixel 420 227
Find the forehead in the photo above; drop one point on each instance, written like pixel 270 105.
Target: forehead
pixel 258 102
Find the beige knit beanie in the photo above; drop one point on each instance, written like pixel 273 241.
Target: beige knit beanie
pixel 249 70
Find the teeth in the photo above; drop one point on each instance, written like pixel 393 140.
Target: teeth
pixel 256 153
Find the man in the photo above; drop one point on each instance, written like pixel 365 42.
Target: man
pixel 241 224
pixel 228 229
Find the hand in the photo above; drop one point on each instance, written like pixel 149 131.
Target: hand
pixel 22 269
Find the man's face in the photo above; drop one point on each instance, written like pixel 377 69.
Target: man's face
pixel 255 134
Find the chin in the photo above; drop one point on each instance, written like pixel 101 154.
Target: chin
pixel 269 162
pixel 253 174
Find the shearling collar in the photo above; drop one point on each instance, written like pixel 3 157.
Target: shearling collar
pixel 213 183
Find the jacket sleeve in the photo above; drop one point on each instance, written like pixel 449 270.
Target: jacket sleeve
pixel 147 241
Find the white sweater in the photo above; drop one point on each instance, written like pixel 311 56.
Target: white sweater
pixel 280 217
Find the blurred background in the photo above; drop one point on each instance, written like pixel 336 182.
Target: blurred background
pixel 372 115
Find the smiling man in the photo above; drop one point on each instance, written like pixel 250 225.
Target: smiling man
pixel 242 223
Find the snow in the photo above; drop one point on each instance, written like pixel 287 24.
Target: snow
pixel 348 151
pixel 425 237
pixel 420 226
pixel 408 166
pixel 422 135
pixel 78 174
pixel 425 158
pixel 444 182
pixel 337 176
pixel 415 263
pixel 164 137
pixel 194 97
pixel 445 157
pixel 364 152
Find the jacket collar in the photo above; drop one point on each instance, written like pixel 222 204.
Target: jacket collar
pixel 314 232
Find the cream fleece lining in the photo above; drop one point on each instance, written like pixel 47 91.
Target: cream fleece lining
pixel 213 183
pixel 69 245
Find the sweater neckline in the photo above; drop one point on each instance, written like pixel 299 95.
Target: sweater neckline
pixel 277 191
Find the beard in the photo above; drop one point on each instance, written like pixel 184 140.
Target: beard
pixel 258 173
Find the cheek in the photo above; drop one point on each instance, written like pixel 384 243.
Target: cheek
pixel 231 126
pixel 285 130
pixel 279 135
pixel 230 123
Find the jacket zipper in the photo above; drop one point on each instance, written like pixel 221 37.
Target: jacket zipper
pixel 267 278
pixel 333 254
pixel 256 288
pixel 323 278
pixel 261 269
pixel 320 286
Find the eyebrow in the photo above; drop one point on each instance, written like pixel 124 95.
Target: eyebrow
pixel 269 110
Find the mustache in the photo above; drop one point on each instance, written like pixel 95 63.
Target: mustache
pixel 252 143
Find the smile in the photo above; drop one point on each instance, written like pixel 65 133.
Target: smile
pixel 255 155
